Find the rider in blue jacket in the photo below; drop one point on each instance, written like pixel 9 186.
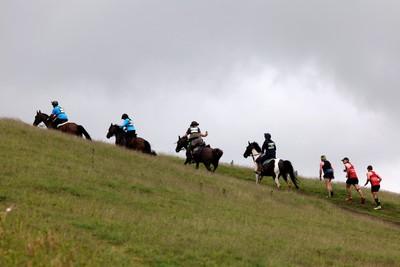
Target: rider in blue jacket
pixel 130 131
pixel 58 115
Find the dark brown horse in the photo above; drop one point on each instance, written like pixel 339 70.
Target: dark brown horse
pixel 205 154
pixel 137 143
pixel 68 127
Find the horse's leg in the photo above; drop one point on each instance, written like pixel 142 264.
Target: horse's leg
pixel 215 164
pixel 188 157
pixel 276 175
pixel 207 166
pixel 284 175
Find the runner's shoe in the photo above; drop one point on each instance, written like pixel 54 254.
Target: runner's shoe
pixel 378 208
pixel 362 200
pixel 348 199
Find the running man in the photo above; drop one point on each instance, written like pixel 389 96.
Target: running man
pixel 352 179
pixel 375 180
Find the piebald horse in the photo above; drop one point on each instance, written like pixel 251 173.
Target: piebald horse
pixel 274 168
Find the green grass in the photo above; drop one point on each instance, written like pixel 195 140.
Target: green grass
pixel 81 203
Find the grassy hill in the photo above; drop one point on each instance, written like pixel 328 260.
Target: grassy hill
pixel 65 201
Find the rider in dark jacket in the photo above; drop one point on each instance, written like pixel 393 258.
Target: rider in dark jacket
pixel 268 150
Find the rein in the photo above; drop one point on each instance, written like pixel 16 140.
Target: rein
pixel 255 155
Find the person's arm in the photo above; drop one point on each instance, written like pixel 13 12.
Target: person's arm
pixel 379 177
pixel 320 170
pixel 187 132
pixel 124 124
pixel 368 178
pixel 204 134
pixel 347 170
pixel 264 147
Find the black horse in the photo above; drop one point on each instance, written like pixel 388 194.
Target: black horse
pixel 68 127
pixel 137 143
pixel 274 168
pixel 204 154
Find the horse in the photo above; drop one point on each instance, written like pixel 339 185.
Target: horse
pixel 205 154
pixel 137 143
pixel 67 127
pixel 274 168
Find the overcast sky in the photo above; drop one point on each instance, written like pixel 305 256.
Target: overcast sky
pixel 320 76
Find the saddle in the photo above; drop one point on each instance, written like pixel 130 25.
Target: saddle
pixel 197 150
pixel 62 124
pixel 267 161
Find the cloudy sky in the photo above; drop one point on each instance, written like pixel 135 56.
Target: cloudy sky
pixel 320 76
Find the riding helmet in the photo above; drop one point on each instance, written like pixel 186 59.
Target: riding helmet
pixel 54 103
pixel 124 116
pixel 267 136
pixel 194 123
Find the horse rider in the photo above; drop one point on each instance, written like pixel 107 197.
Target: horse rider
pixel 127 126
pixel 58 115
pixel 269 152
pixel 195 136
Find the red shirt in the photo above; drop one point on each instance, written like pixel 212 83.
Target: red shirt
pixel 374 178
pixel 352 172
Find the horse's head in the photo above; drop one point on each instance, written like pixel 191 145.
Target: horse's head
pixel 112 130
pixel 40 117
pixel 181 143
pixel 249 149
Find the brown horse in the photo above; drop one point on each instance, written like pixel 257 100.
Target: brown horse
pixel 68 127
pixel 205 154
pixel 137 143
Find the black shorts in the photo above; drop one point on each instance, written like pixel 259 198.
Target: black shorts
pixel 375 188
pixel 328 175
pixel 352 181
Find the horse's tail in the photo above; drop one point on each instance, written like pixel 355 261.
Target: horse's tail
pixel 83 131
pixel 147 147
pixel 217 153
pixel 289 167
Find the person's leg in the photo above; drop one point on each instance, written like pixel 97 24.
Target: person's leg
pixel 348 191
pixel 358 188
pixel 259 163
pixel 128 138
pixel 328 186
pixel 375 195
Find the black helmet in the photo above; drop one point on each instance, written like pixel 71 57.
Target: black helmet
pixel 194 123
pixel 267 136
pixel 54 103
pixel 124 116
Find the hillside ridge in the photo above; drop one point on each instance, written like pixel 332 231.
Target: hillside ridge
pixel 75 202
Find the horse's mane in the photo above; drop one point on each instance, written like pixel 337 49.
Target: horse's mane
pixel 256 146
pixel 118 128
pixel 43 114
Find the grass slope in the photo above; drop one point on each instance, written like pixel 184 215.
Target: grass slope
pixel 81 203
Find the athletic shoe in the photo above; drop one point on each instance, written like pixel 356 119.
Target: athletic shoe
pixel 331 193
pixel 362 200
pixel 349 199
pixel 378 208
